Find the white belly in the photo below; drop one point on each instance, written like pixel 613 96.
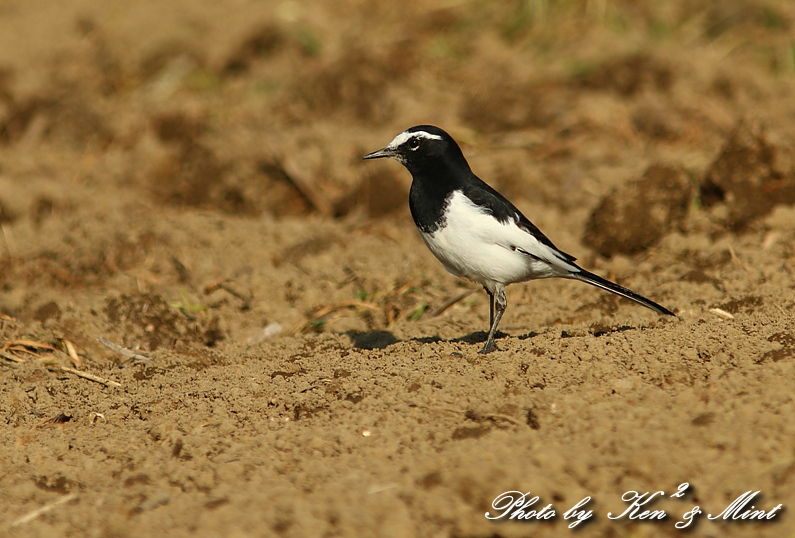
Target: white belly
pixel 474 245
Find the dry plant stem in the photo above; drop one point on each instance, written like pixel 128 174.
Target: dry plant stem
pixel 30 516
pixel 246 300
pixel 90 377
pixel 326 310
pixel 453 300
pixel 130 354
pixel 722 313
pixel 72 352
pixel 28 343
pixel 9 357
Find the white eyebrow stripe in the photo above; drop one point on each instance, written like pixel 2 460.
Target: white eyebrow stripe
pixel 405 135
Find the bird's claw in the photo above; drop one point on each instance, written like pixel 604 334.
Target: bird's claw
pixel 488 347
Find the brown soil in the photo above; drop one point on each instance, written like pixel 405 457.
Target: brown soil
pixel 183 179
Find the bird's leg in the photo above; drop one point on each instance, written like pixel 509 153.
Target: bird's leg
pixel 491 306
pixel 500 302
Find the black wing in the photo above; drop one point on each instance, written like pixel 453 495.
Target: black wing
pixel 504 211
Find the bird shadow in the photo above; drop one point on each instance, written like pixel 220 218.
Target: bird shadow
pixel 602 330
pixel 384 339
pixel 372 339
pixel 478 337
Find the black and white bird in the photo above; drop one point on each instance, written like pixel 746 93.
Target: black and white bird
pixel 475 231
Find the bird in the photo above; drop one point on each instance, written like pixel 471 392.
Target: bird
pixel 474 231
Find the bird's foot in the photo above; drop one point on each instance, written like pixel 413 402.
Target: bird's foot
pixel 488 347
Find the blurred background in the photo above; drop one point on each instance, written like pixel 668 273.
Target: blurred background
pixel 246 107
pixel 184 179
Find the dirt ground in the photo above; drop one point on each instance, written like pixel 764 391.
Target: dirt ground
pixel 183 179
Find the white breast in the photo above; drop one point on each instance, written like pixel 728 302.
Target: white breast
pixel 475 245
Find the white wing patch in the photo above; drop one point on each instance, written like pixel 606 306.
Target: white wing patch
pixel 475 245
pixel 405 135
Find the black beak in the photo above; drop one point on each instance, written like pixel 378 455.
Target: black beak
pixel 381 153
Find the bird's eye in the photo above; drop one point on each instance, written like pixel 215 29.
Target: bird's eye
pixel 413 143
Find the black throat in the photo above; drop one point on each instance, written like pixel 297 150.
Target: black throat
pixel 434 179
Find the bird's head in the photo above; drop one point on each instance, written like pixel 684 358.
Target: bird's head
pixel 423 147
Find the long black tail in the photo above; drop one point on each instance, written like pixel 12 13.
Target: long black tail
pixel 600 282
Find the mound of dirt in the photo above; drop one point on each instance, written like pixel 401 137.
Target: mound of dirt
pixel 750 176
pixel 636 215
